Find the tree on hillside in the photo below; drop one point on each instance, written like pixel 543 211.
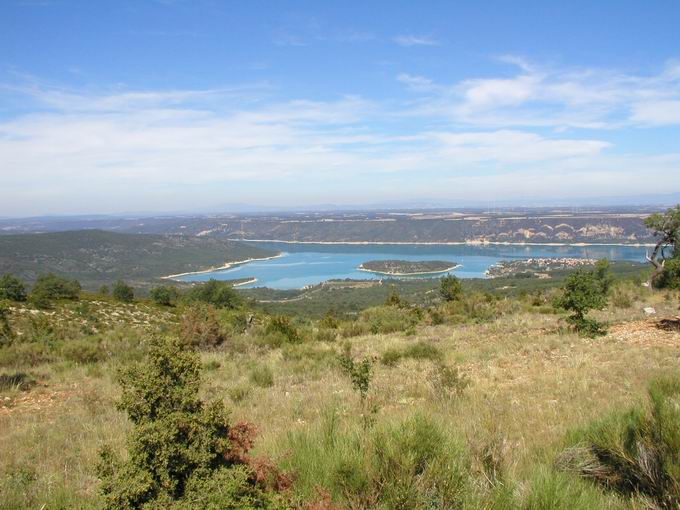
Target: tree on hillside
pixel 6 334
pixel 164 295
pixel 123 292
pixel 182 452
pixel 583 291
pixel 12 288
pixel 666 229
pixel 49 287
pixel 450 288
pixel 217 293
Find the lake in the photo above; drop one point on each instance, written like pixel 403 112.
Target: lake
pixel 309 264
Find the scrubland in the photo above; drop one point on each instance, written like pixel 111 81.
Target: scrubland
pixel 468 404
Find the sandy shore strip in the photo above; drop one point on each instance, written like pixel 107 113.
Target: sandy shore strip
pixel 247 282
pixel 362 268
pixel 443 243
pixel 228 265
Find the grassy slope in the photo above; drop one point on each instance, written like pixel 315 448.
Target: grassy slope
pixel 531 382
pixel 96 257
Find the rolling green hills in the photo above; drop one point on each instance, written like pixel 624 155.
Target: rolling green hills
pixel 96 257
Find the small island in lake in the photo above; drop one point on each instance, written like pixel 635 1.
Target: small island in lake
pixel 407 267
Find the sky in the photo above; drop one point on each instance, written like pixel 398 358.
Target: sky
pixel 198 105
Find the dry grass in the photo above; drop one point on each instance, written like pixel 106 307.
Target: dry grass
pixel 530 382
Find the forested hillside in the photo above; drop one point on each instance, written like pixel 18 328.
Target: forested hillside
pixel 96 257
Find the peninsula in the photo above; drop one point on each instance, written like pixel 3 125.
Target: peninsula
pixel 407 267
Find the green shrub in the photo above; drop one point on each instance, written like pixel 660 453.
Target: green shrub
pixel 217 293
pixel 199 327
pixel 418 351
pixel 123 292
pixel 394 299
pixel 551 490
pixel 6 333
pixel 584 291
pixel 360 372
pixel 670 276
pixel 414 464
pixel 388 319
pixel 282 325
pixel 326 335
pixel 104 290
pixel 179 446
pixel 83 351
pixel 239 393
pixel 637 452
pixel 164 295
pixel 21 354
pixel 447 381
pixel 450 288
pixel 49 287
pixel 12 288
pixel 262 376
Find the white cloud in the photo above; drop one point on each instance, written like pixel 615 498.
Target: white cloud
pixel 554 97
pixel 83 151
pixel 415 40
pixel 657 113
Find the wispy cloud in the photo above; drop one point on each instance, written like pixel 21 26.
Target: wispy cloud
pixel 497 134
pixel 415 40
pixel 553 97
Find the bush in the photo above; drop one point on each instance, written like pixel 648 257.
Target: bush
pixel 50 287
pixel 418 351
pixel 199 327
pixel 182 452
pixel 670 276
pixel 414 464
pixel 634 453
pixel 450 288
pixel 82 351
pixel 6 333
pixel 25 355
pixel 123 292
pixel 262 376
pixel 164 295
pixel 584 291
pixel 447 381
pixel 283 326
pixel 12 288
pixel 217 293
pixel 388 319
pixel 104 290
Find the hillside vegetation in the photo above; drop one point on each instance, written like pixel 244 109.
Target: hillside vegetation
pixel 483 401
pixel 96 257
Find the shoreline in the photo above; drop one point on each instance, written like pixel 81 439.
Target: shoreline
pixel 228 265
pixel 247 282
pixel 444 243
pixel 361 268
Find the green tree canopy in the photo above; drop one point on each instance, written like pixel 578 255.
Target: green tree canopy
pixel 12 288
pixel 182 452
pixel 450 288
pixel 666 229
pixel 123 292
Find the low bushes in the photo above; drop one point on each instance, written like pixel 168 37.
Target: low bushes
pixel 200 328
pixel 418 351
pixel 636 453
pixel 414 464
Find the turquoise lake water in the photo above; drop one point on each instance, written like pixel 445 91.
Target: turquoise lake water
pixel 309 264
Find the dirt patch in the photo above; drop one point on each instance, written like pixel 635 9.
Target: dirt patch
pixel 650 333
pixel 34 401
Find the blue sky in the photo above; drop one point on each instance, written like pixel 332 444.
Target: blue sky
pixel 179 105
